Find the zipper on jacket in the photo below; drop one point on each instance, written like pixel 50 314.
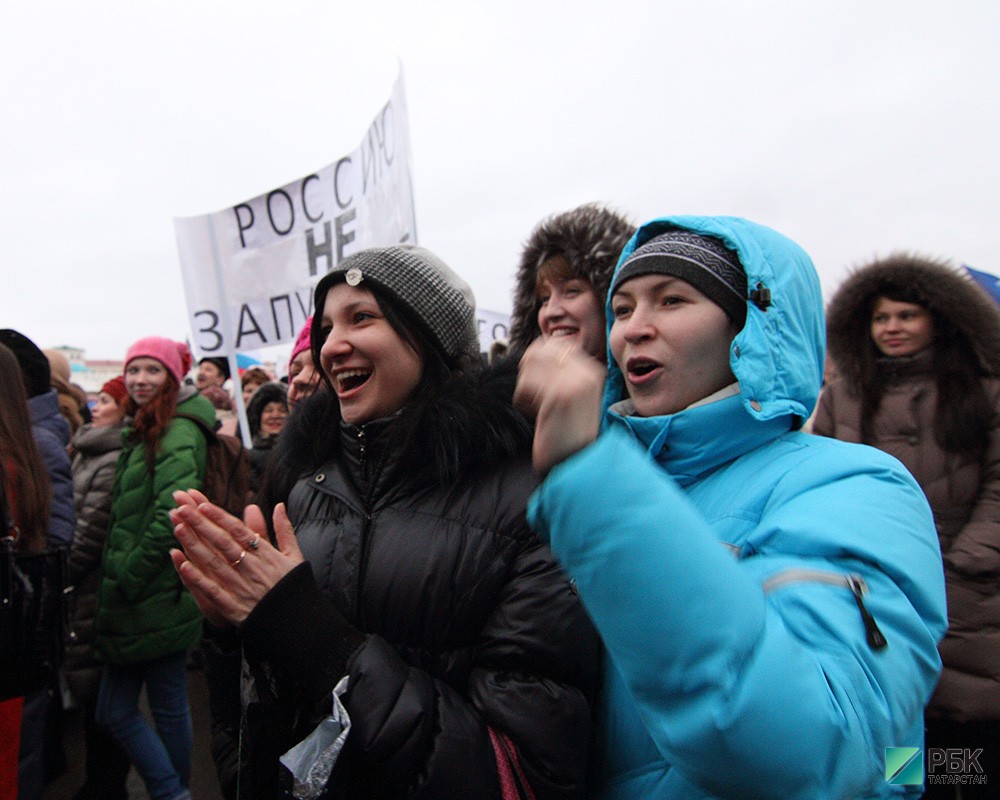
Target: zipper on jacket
pixel 361 447
pixel 366 527
pixel 875 638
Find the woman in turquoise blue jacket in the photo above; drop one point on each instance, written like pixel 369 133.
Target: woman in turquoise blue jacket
pixel 770 601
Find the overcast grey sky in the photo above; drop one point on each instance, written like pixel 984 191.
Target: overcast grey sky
pixel 855 127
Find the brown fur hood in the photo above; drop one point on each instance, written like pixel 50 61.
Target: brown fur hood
pixel 948 292
pixel 590 238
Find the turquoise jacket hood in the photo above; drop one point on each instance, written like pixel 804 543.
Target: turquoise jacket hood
pixel 777 357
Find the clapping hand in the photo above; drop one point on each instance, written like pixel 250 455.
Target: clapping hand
pixel 229 564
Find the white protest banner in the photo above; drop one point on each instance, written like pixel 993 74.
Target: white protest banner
pixel 249 270
pixel 491 325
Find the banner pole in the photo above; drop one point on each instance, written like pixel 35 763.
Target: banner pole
pixel 234 372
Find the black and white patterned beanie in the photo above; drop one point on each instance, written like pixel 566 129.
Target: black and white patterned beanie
pixel 704 262
pixel 421 282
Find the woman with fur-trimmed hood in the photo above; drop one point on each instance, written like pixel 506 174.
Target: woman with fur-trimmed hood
pixel 917 345
pixel 562 280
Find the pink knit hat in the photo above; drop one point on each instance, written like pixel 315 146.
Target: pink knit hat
pixel 163 350
pixel 301 343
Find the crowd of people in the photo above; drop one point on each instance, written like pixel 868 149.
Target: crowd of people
pixel 662 545
pixel 97 480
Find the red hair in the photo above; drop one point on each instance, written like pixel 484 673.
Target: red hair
pixel 150 420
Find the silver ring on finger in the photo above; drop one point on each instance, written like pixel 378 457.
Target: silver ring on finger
pixel 254 543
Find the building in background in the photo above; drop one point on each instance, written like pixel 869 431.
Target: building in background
pixel 89 375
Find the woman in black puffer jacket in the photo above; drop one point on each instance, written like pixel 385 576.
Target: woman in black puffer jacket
pixel 411 570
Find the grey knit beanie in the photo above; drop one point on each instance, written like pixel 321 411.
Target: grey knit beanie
pixel 421 282
pixel 704 262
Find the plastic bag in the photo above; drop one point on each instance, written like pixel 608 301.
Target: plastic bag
pixel 311 761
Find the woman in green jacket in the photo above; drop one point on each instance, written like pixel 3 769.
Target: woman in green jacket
pixel 146 621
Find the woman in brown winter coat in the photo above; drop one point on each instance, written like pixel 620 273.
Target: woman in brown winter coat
pixel 917 346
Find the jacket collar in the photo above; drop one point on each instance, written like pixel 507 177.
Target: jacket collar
pixel 93 440
pixel 699 439
pixel 45 407
pixel 365 451
pixel 186 392
pixel 903 368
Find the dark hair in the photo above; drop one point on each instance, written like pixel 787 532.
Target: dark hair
pixel 311 436
pixel 25 477
pixel 150 420
pixel 962 416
